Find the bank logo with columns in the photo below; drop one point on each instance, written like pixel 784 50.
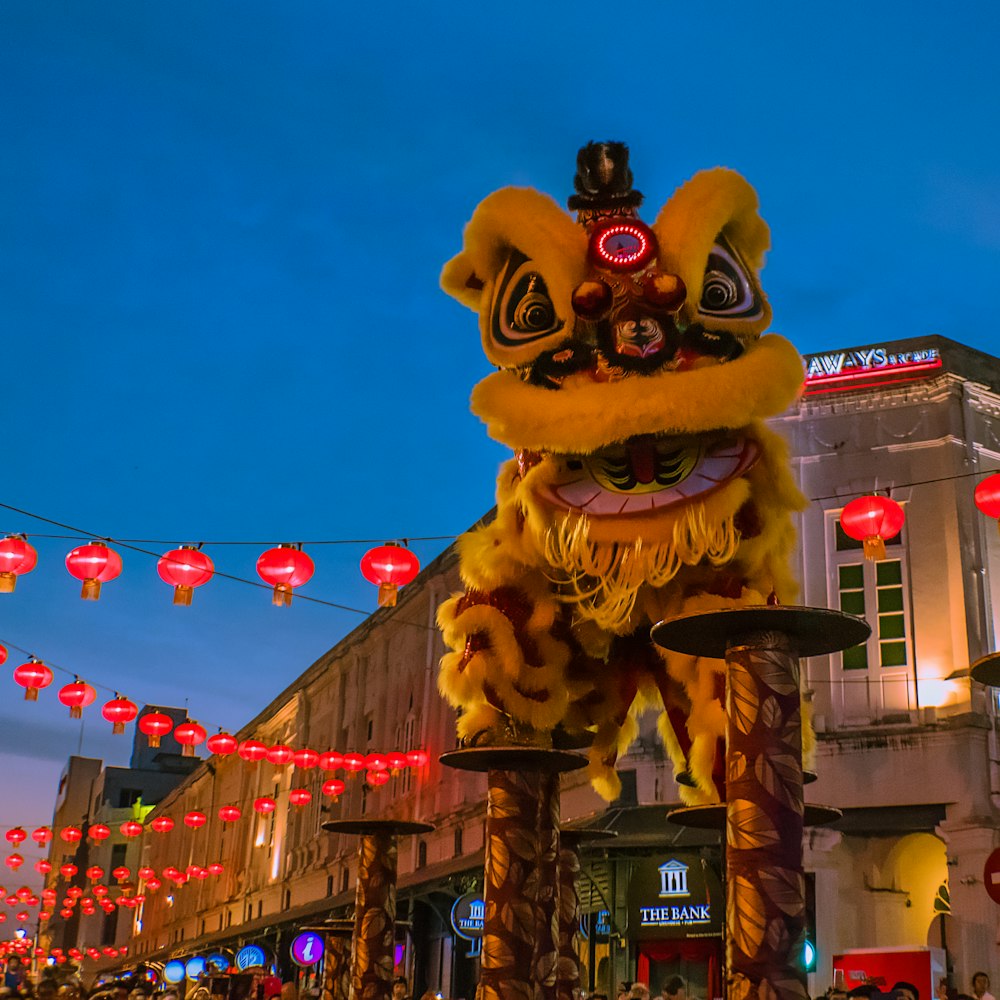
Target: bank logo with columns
pixel 673 879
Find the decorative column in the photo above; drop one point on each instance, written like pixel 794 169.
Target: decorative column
pixel 765 885
pixel 570 841
pixel 375 903
pixel 336 958
pixel 520 928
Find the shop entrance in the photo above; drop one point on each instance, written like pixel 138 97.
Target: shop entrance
pixel 697 963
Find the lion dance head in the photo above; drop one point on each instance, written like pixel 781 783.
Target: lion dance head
pixel 633 380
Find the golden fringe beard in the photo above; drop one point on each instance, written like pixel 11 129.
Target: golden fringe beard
pixel 604 578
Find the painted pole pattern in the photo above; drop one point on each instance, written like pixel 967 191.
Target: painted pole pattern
pixel 545 961
pixel 568 974
pixel 374 917
pixel 337 966
pixel 508 950
pixel 765 887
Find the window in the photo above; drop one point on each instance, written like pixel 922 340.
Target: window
pixel 345 879
pixel 874 681
pixel 458 841
pixel 422 854
pixel 878 596
pixel 118 852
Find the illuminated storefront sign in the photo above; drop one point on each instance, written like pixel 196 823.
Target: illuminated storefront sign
pixel 307 948
pixel 602 925
pixel 250 957
pixel 677 896
pixel 195 967
pixel 867 366
pixel 467 916
pixel 173 971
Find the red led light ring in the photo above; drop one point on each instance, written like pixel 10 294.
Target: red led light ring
pixel 623 261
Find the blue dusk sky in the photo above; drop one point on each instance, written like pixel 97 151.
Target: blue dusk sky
pixel 222 225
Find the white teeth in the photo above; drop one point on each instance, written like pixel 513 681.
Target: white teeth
pixel 716 468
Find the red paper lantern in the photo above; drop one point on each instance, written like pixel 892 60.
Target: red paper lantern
pixel 146 872
pixel 41 835
pixel 417 758
pixel 32 676
pixel 68 870
pixel 74 892
pixel 199 872
pixel 121 873
pixel 95 873
pixel 189 734
pixel 16 835
pixel 171 872
pixel 230 814
pixel 22 916
pixel 300 796
pixel 152 884
pixel 76 697
pixel 353 762
pixel 43 867
pixel 195 819
pixel 215 868
pixel 17 557
pixel 184 569
pixel 280 754
pixel 130 828
pixel 376 762
pixel 100 891
pixel 872 520
pixel 396 760
pixel 252 751
pixel 222 744
pixel 389 567
pixel 44 915
pixel 23 894
pixel 12 900
pixel 49 895
pixel 285 568
pixel 162 824
pixel 306 758
pixel 94 564
pixel 331 760
pixel 99 831
pixel 71 834
pixel 377 778
pixel 119 711
pixel 264 804
pixel 987 496
pixel 333 787
pixel 155 725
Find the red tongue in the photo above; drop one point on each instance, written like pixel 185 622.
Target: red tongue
pixel 643 456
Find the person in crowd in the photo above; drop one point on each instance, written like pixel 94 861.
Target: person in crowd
pixel 905 990
pixel 675 989
pixel 981 986
pixel 639 991
pixel 400 989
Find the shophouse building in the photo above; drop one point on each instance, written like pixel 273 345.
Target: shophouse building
pixel 89 794
pixel 906 742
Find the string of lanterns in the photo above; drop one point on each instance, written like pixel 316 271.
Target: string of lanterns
pixel 283 568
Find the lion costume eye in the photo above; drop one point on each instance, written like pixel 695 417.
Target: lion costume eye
pixel 728 289
pixel 523 312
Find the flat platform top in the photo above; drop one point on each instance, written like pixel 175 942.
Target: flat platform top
pixel 514 759
pixel 713 817
pixel 363 826
pixel 813 631
pixel 986 670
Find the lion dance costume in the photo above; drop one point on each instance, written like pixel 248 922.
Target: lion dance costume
pixel 634 378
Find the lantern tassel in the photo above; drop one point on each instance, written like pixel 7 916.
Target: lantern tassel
pixel 387 595
pixel 91 590
pixel 117 728
pixel 154 740
pixel 188 750
pixel 8 581
pixel 76 712
pixel 874 548
pixel 182 595
pixel 31 694
pixel 282 596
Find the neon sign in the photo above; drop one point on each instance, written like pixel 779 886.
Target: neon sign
pixel 250 957
pixel 869 365
pixel 306 949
